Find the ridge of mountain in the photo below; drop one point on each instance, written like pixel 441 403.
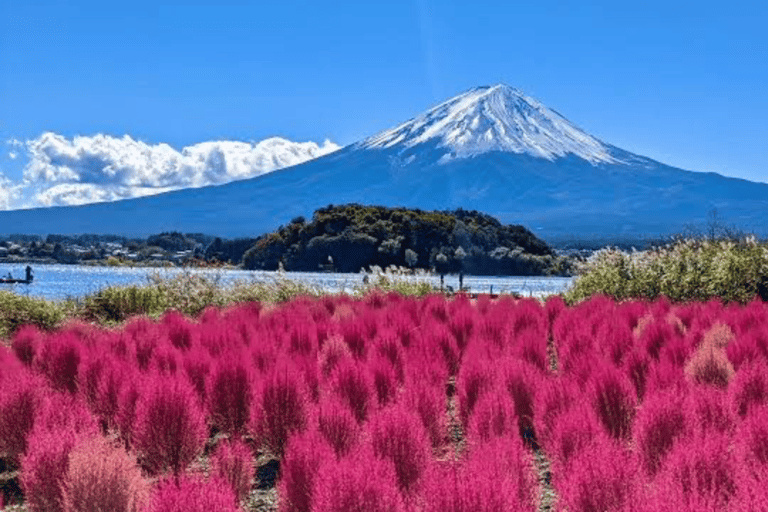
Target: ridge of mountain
pixel 490 149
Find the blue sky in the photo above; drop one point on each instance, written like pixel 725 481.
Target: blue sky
pixel 685 83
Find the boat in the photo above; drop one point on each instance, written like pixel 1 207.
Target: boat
pixel 11 280
pixel 5 280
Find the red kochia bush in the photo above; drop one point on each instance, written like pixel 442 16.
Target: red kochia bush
pixel 752 440
pixel 304 455
pixel 44 467
pixel 573 432
pixel 497 477
pixel 352 384
pixel 398 435
pixel 170 425
pixel 428 401
pixel 358 483
pixel 749 387
pixel 337 425
pixel 232 462
pixel 475 377
pixel 26 343
pixel 494 417
pixel 59 360
pixel 614 400
pixel 192 494
pixel 20 399
pixel 700 473
pixel 230 393
pixel 280 409
pixel 602 477
pixel 102 476
pixel 660 423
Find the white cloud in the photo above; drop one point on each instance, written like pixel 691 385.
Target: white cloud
pixel 9 193
pixel 62 171
pixel 12 155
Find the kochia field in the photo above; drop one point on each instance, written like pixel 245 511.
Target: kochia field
pixel 394 404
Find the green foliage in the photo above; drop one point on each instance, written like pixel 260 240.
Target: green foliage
pixel 17 310
pixel 358 236
pixel 683 271
pixel 118 303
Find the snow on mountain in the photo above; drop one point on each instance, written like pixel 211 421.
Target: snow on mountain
pixel 496 118
pixel 528 166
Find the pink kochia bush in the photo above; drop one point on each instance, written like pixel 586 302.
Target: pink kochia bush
pixel 102 476
pixel 230 393
pixel 21 394
pixel 602 477
pixel 642 406
pixel 281 408
pixel 232 462
pixel 305 454
pixel 170 425
pixel 337 425
pixel 192 494
pixel 356 483
pixel 397 435
pixel 496 477
pixel 660 423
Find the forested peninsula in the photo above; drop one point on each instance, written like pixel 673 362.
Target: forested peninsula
pixel 350 237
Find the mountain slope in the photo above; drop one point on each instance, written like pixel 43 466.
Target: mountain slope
pixel 491 149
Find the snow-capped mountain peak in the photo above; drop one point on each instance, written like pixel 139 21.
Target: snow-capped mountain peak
pixel 494 118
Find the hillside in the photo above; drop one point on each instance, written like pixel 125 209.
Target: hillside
pixel 356 236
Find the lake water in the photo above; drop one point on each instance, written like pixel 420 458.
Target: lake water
pixel 55 282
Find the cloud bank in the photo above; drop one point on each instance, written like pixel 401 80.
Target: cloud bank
pixel 61 171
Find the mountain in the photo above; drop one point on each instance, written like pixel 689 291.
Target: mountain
pixel 491 149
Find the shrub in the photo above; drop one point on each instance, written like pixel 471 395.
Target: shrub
pixel 101 476
pixel 397 435
pixel 332 352
pixel 475 377
pixel 230 394
pixel 700 473
pixel 280 409
pixel 429 402
pixel 232 462
pixel 44 468
pixel 614 401
pixel 750 387
pixel 709 365
pixel 59 360
pixel 752 440
pixel 602 477
pixel 20 400
pixel 26 343
pixel 352 384
pixel 356 483
pixel 384 380
pixel 337 425
pixel 555 397
pixel 170 426
pixel 304 455
pixel 660 423
pixel 494 416
pixel 522 382
pixel 192 494
pixel 684 270
pixel 497 477
pixel 707 410
pixel 575 430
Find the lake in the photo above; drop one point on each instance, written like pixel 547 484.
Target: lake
pixel 56 282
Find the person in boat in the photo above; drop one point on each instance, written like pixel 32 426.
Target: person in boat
pixel 29 273
pixel 9 276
